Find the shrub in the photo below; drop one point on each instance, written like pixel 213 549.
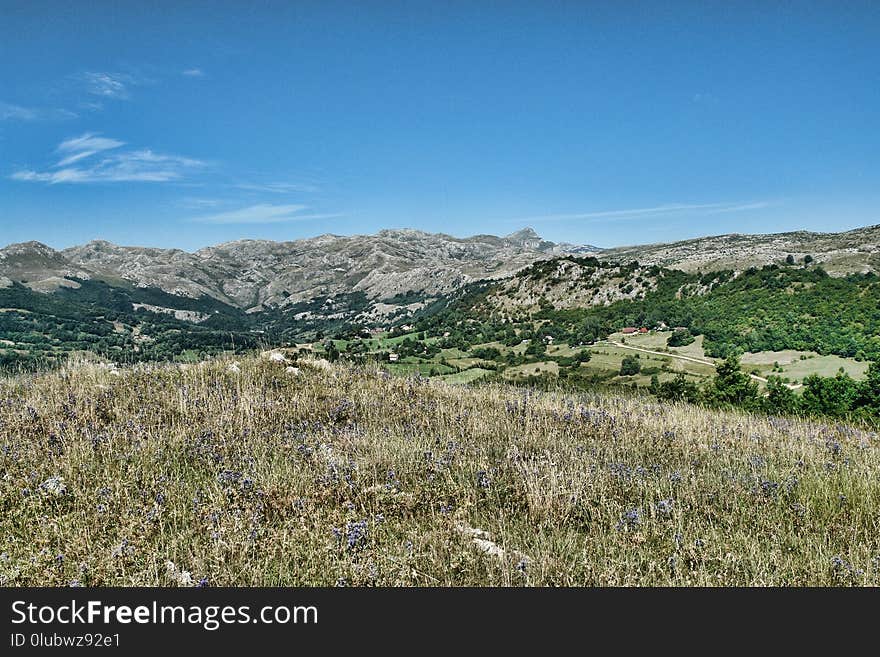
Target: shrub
pixel 680 338
pixel 630 365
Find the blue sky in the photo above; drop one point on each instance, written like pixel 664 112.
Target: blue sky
pixel 607 123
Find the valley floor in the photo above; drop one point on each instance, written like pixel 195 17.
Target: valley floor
pixel 259 474
pixel 602 365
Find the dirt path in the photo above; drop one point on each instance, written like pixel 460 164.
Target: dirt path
pixel 701 361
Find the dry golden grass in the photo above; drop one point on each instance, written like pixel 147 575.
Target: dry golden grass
pixel 342 475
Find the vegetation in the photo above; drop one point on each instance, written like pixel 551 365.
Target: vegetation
pixel 773 309
pixel 630 365
pixel 168 475
pixel 680 338
pixel 839 396
pixel 39 330
pixel 768 309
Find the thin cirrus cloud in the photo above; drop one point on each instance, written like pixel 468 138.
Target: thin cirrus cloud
pixel 114 86
pixel 12 112
pixel 660 210
pixel 86 159
pixel 193 72
pixel 84 146
pixel 278 187
pixel 262 214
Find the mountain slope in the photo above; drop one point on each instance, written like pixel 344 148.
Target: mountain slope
pixel 570 282
pixel 257 274
pixel 38 266
pixel 854 251
pixel 290 287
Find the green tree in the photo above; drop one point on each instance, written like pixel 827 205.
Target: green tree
pixel 826 395
pixel 679 389
pixel 630 365
pixel 680 338
pixel 731 386
pixel 536 348
pixel 780 398
pixel 868 399
pixel 583 356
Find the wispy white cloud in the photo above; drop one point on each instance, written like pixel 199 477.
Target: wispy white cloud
pixel 89 141
pixel 758 205
pixel 17 112
pixel 128 166
pixel 705 98
pixel 85 145
pixel 91 105
pixel 108 85
pixel 12 112
pixel 201 203
pixel 262 214
pixel 660 210
pixel 193 73
pixel 76 157
pixel 278 187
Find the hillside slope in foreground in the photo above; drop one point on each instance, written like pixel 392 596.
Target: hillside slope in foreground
pixel 255 474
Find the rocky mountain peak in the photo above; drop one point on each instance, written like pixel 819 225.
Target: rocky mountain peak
pixel 32 248
pixel 38 266
pixel 526 234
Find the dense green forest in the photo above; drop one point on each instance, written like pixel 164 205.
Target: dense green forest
pixel 767 309
pixel 100 319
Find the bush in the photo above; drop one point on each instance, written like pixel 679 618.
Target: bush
pixel 630 365
pixel 731 386
pixel 780 399
pixel 680 338
pixel 677 389
pixel 834 396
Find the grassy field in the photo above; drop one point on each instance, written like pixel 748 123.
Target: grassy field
pixel 657 341
pixel 425 369
pixel 794 365
pixel 254 475
pixel 606 359
pixel 531 369
pixel 796 368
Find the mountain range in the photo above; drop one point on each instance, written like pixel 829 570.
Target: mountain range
pixel 256 275
pixel 388 275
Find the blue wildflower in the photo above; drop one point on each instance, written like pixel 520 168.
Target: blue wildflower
pixel 630 520
pixel 355 534
pixel 664 507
